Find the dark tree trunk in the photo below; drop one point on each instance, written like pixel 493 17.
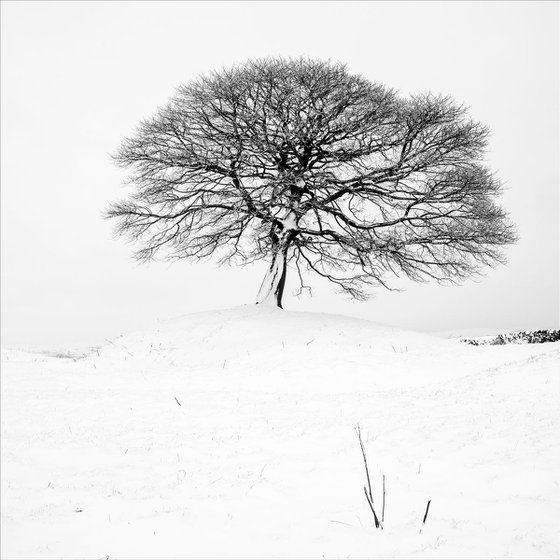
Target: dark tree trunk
pixel 272 287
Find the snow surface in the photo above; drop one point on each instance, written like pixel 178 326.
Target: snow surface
pixel 231 434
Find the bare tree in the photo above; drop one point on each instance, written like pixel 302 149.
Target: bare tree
pixel 300 161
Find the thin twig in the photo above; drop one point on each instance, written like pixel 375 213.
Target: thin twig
pixel 341 522
pixel 425 515
pixel 383 507
pixel 359 432
pixel 367 491
pixel 372 509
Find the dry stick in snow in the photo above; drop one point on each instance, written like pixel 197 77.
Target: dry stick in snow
pixel 367 491
pixel 383 508
pixel 368 498
pixel 425 515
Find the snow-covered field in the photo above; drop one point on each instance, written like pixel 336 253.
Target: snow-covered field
pixel 231 434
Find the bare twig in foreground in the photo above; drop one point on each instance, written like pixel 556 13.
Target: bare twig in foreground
pixel 367 490
pixel 425 515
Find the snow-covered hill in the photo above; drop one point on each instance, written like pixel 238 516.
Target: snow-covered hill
pixel 231 434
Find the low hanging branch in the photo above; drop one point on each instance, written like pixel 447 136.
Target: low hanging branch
pixel 300 161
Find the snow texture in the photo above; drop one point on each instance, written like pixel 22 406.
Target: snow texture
pixel 230 434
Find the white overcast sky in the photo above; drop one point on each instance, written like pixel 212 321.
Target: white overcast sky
pixel 78 76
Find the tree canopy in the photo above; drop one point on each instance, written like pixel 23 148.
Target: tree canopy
pixel 301 162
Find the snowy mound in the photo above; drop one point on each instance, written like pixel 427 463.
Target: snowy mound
pixel 271 347
pixel 267 329
pixel 231 434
